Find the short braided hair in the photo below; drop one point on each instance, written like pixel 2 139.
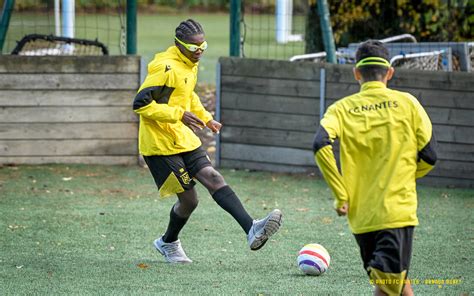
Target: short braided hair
pixel 188 28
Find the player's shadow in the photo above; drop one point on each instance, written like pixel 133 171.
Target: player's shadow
pixel 299 275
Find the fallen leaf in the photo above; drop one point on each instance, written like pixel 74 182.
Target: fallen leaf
pixel 302 209
pixel 142 265
pixel 13 227
pixel 327 220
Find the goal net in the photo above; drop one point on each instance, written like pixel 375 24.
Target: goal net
pixel 37 44
pixel 431 61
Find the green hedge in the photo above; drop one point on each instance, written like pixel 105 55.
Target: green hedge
pixel 428 20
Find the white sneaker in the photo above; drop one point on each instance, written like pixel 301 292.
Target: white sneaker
pixel 262 229
pixel 173 251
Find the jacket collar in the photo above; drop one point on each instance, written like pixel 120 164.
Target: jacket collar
pixel 175 50
pixel 372 85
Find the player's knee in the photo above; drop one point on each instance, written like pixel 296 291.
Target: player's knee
pixel 216 179
pixel 191 204
pixel 188 206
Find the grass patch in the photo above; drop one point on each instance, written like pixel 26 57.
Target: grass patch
pixel 81 229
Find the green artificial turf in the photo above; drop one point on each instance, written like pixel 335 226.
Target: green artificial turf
pixel 88 230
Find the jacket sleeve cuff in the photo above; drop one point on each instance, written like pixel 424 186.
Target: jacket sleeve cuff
pixel 338 203
pixel 179 112
pixel 207 117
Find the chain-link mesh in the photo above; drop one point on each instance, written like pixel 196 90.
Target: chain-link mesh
pixel 273 29
pixel 296 35
pixel 95 20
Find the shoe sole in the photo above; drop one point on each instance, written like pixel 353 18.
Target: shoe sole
pixel 272 225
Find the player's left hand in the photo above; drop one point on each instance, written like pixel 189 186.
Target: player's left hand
pixel 192 121
pixel 342 211
pixel 214 126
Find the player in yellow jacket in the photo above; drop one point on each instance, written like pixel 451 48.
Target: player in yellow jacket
pixel 386 143
pixel 170 112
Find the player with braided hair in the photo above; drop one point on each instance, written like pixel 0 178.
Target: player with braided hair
pixel 170 114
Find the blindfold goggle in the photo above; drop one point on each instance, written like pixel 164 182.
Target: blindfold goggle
pixel 193 47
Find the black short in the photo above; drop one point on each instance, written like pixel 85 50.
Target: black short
pixel 174 173
pixel 388 250
pixel 386 256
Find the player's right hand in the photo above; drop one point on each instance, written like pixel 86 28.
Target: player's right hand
pixel 192 121
pixel 342 211
pixel 214 126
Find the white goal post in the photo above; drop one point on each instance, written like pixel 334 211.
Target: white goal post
pixel 284 22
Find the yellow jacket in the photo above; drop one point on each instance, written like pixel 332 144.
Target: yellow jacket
pixel 168 91
pixel 386 142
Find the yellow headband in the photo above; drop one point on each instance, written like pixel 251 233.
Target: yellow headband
pixel 376 61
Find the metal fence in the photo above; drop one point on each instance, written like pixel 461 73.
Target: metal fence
pixel 289 29
pixel 92 22
pixel 273 29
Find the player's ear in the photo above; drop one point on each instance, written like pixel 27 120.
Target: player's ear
pixel 357 75
pixel 181 48
pixel 390 72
